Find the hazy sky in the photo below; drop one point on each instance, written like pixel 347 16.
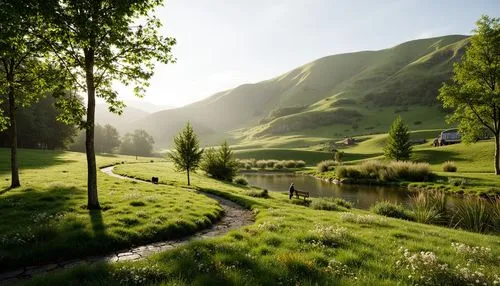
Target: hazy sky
pixel 224 43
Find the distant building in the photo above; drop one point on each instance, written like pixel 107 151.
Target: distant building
pixel 449 136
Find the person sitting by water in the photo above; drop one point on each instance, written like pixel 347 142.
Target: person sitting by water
pixel 291 190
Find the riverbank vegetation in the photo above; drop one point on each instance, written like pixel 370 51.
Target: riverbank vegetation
pixel 293 244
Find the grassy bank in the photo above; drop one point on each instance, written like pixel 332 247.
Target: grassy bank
pixel 297 245
pixel 47 220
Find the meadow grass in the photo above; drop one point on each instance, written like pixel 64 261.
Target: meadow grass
pixel 46 219
pixel 293 245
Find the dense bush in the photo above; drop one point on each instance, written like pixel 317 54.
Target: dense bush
pixel 449 166
pixel 241 181
pixel 325 166
pixel 220 163
pixel 261 164
pixel 278 166
pixel 386 172
pixel 390 209
pixel 290 164
pixel 300 164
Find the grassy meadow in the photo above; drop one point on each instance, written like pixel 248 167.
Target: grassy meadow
pixel 292 244
pixel 46 219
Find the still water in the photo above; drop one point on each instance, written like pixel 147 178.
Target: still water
pixel 363 196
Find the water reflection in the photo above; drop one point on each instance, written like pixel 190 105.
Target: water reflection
pixel 362 196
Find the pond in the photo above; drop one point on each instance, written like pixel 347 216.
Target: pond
pixel 362 196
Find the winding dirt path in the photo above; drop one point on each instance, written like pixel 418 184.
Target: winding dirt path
pixel 234 217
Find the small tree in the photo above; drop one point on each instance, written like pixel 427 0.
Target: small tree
pixel 187 153
pixel 398 145
pixel 338 156
pixel 474 92
pixel 220 163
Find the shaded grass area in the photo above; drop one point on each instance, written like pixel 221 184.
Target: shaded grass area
pixel 46 219
pixel 292 245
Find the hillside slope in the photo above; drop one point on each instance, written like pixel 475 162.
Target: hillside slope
pixel 339 90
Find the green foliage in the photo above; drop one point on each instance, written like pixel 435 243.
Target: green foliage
pixel 257 193
pixel 338 156
pixel 398 146
pixel 220 163
pixel 186 155
pixel 139 143
pixel 326 165
pixel 449 166
pixel 240 181
pixel 473 94
pixel 107 140
pixel 390 209
pixel 386 171
pixel 38 127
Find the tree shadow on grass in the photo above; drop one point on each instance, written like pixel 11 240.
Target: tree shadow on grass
pixel 437 156
pixel 32 159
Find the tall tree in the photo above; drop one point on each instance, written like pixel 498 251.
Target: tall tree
pixel 474 92
pixel 187 153
pixel 100 42
pixel 398 146
pixel 23 74
pixel 139 143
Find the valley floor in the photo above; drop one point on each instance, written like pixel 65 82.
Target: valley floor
pixel 287 244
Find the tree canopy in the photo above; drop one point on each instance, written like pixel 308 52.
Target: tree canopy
pixel 99 42
pixel 139 143
pixel 474 93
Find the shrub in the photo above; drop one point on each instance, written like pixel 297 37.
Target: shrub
pixel 241 181
pixel 290 164
pixel 325 166
pixel 261 164
pixel 390 209
pixel 220 163
pixel 428 207
pixel 449 166
pixel 300 164
pixel 271 163
pixel 278 166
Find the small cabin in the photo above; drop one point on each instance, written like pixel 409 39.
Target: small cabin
pixel 449 136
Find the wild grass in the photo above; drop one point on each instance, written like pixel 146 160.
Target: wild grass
pixel 288 244
pixel 385 171
pixel 257 193
pixel 46 219
pixel 449 166
pixel 476 214
pixel 327 165
pixel 270 164
pixel 330 204
pixel 390 209
pixel 428 207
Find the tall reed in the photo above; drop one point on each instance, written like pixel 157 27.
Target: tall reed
pixel 429 207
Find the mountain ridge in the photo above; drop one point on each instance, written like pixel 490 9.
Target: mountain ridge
pixel 407 74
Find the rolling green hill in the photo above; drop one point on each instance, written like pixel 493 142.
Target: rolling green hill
pixel 344 94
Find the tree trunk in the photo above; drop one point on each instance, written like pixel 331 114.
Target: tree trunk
pixel 497 153
pixel 93 201
pixel 189 181
pixel 13 136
